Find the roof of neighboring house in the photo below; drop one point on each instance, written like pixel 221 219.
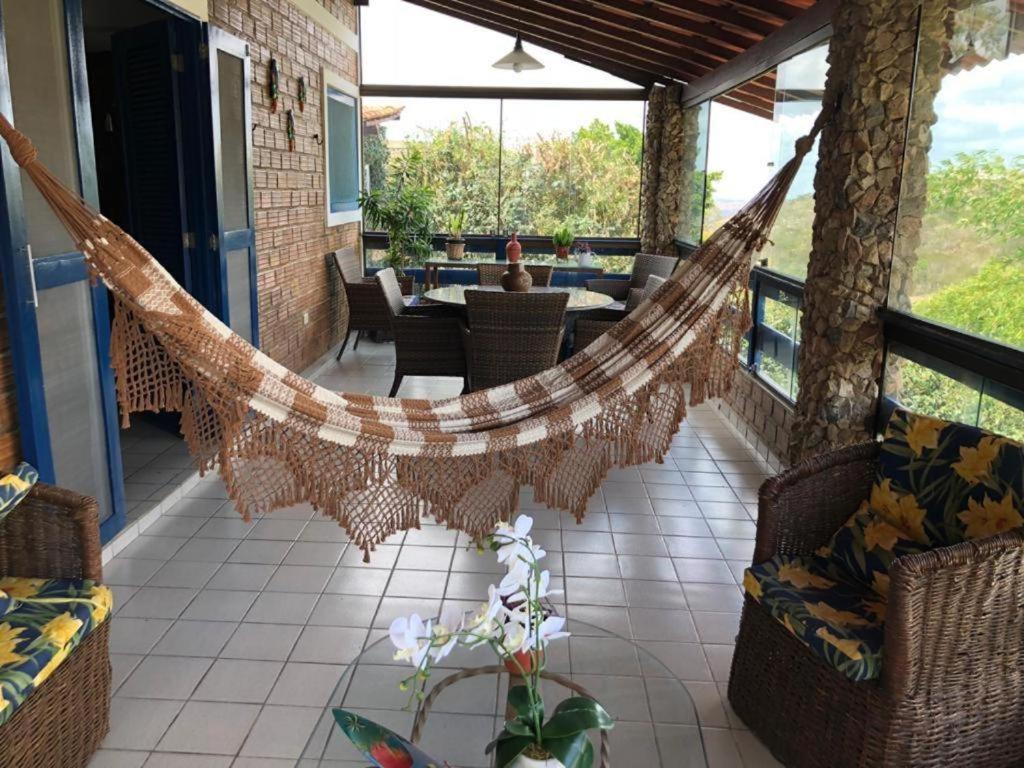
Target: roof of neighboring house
pixel 375 115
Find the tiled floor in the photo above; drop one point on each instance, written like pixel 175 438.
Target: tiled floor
pixel 155 463
pixel 229 637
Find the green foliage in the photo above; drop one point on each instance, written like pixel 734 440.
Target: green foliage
pixel 588 180
pixel 563 237
pixel 456 223
pixel 404 208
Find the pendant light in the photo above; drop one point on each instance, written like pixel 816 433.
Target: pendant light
pixel 517 60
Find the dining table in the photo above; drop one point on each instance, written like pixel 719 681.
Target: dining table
pixel 432 267
pixel 580 299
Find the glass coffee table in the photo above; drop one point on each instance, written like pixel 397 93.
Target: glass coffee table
pixel 656 720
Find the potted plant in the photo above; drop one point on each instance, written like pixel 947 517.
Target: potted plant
pixel 562 239
pixel 517 623
pixel 404 208
pixel 455 246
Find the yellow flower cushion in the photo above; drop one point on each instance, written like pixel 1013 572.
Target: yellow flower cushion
pixel 49 619
pixel 839 620
pixel 942 483
pixel 15 487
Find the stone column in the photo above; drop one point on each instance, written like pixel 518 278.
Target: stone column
pixel 651 169
pixel 857 189
pixel 670 155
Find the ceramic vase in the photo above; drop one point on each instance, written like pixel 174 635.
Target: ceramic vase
pixel 524 660
pixel 516 279
pixel 513 248
pixel 562 252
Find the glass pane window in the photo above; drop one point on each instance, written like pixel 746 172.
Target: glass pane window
pixel 778 341
pixel 342 151
pixel 752 133
pixel 454 145
pixel 960 241
pixel 572 164
pixel 693 202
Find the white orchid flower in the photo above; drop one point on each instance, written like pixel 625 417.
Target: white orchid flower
pixel 483 624
pixel 446 631
pixel 512 540
pixel 411 636
pixel 549 629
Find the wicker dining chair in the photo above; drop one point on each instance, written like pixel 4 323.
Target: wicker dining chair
pixel 951 690
pixel 512 335
pixel 428 338
pixel 599 321
pixel 490 274
pixel 644 265
pixel 367 311
pixel 55 534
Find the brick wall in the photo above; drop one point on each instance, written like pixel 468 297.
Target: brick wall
pixel 758 414
pixel 291 232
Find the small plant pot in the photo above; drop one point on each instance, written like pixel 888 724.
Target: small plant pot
pixel 586 259
pixel 455 249
pixel 407 284
pixel 562 252
pixel 523 761
pixel 526 661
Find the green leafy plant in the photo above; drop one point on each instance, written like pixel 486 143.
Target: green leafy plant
pixel 456 223
pixel 563 237
pixel 404 208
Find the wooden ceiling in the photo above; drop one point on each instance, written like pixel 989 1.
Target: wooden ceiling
pixel 642 41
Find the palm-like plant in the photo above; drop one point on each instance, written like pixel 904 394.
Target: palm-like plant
pixel 404 208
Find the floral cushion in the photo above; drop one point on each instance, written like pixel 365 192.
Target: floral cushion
pixel 942 483
pixel 839 620
pixel 864 549
pixel 49 619
pixel 15 487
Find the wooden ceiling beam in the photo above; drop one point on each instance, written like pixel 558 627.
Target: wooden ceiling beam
pixel 690 27
pixel 661 36
pixel 775 11
pixel 730 17
pixel 542 31
pixel 746 106
pixel 619 41
pixel 641 75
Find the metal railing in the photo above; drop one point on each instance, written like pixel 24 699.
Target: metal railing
pixel 772 347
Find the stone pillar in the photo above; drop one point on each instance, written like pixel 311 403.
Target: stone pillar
pixel 857 187
pixel 651 169
pixel 670 156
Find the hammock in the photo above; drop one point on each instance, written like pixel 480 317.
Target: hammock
pixel 377 464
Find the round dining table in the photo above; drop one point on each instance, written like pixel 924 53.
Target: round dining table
pixel 580 299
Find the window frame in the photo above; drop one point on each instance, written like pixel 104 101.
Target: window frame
pixel 332 80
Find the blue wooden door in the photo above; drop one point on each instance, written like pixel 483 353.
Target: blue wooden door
pixel 59 326
pixel 148 71
pixel 231 235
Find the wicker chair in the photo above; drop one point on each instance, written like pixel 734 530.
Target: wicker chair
pixel 490 274
pixel 54 533
pixel 512 335
pixel 644 265
pixel 367 311
pixel 600 321
pixel 428 339
pixel 951 691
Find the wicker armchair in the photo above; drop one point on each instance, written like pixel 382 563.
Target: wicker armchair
pixel 951 691
pixel 490 274
pixel 54 533
pixel 428 339
pixel 512 335
pixel 366 309
pixel 644 265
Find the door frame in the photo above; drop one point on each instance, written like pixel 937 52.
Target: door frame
pixel 25 277
pixel 221 241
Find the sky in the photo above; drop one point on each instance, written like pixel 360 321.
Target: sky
pixel 982 108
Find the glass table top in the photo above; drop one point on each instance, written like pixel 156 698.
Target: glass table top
pixel 656 720
pixel 580 299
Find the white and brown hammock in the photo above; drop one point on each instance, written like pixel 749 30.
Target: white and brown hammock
pixel 377 464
